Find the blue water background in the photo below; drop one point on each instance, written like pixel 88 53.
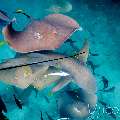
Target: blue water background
pixel 100 20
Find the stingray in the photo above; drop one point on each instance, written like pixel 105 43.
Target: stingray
pixel 46 34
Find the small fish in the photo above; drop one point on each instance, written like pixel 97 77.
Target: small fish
pixel 105 82
pixel 2 106
pixel 108 109
pixel 49 117
pixel 41 116
pixel 93 67
pixel 4 16
pixel 18 102
pixel 112 89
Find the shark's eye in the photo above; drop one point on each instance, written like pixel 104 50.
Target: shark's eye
pixel 83 52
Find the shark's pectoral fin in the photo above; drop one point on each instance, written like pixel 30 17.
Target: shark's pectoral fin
pixel 62 82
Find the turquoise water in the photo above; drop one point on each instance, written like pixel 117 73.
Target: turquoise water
pixel 100 22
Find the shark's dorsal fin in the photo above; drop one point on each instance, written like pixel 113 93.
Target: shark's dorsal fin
pixel 83 54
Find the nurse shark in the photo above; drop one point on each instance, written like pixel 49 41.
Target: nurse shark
pixel 41 70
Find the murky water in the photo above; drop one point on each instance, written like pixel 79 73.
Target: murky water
pixel 101 27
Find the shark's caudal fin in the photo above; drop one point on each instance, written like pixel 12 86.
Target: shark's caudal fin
pixel 82 56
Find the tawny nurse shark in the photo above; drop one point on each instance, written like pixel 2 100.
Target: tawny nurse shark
pixel 37 69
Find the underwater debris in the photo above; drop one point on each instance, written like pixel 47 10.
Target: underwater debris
pixel 46 34
pixel 2 106
pixel 18 102
pixel 108 109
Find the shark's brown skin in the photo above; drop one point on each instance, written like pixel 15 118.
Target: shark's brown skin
pixel 70 65
pixel 38 75
pixel 35 74
pixel 46 34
